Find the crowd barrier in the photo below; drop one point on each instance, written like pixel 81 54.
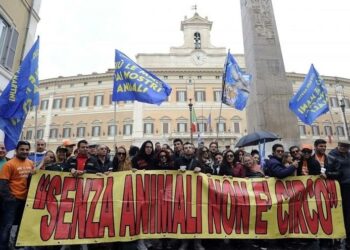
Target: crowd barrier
pixel 126 206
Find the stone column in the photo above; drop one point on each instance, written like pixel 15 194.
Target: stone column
pixel 267 107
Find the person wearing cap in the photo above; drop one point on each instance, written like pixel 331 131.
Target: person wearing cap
pixel 339 169
pixel 60 163
pixel 92 150
pixel 307 164
pixel 69 145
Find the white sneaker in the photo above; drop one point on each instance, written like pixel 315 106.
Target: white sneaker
pixel 141 245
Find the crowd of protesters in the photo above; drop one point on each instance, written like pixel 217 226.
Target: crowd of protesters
pixel 183 156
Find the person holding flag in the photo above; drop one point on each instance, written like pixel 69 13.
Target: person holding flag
pixel 20 95
pixel 310 101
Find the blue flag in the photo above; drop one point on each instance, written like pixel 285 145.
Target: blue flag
pixel 22 92
pixel 310 101
pixel 236 84
pixel 19 96
pixel 132 82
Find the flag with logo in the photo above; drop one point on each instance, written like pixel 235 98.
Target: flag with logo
pixel 236 84
pixel 20 95
pixel 132 82
pixel 310 101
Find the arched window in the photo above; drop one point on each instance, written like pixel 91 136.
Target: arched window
pixel 197 40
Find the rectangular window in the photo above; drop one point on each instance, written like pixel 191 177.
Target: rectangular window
pixel 217 77
pixel 165 128
pixel 148 128
pixel 29 134
pixel 200 96
pixel 181 96
pixel 202 127
pixel 80 131
pixel 66 132
pixel 302 130
pixel 221 127
pixel 112 130
pixel 44 105
pixel 334 102
pixel 347 103
pixel 182 127
pixel 98 102
pixel 57 103
pixel 84 101
pixel 96 131
pixel 39 134
pixel 8 44
pixel 217 95
pixel 53 133
pixel 236 128
pixel 70 101
pixel 328 130
pixel 181 77
pixel 315 130
pixel 127 129
pixel 340 131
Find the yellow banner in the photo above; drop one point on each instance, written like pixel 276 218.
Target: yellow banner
pixel 125 206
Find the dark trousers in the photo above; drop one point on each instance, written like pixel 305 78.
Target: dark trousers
pixel 345 195
pixel 11 214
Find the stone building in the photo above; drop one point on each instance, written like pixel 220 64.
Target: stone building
pixel 80 106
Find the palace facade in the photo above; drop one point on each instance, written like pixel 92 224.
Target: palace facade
pixel 80 107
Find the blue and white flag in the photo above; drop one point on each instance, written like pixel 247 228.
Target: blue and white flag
pixel 310 101
pixel 236 84
pixel 19 96
pixel 132 82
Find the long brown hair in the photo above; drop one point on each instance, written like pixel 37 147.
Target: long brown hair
pixel 123 166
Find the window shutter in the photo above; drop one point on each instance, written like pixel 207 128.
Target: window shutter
pixel 11 50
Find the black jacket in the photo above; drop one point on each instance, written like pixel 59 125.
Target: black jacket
pixel 190 163
pixel 91 165
pixel 313 166
pixel 338 166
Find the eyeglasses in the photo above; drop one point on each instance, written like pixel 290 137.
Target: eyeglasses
pixel 307 151
pixel 295 151
pixel 279 151
pixel 229 156
pixel 121 153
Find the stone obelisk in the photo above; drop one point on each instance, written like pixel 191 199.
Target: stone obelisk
pixel 267 107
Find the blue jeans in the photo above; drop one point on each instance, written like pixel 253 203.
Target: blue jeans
pixel 11 214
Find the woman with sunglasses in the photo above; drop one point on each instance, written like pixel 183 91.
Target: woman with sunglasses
pixel 231 168
pixel 307 164
pixel 121 161
pixel 205 161
pixel 164 160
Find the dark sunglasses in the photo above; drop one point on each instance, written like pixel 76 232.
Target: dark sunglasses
pixel 121 153
pixel 162 156
pixel 229 156
pixel 295 151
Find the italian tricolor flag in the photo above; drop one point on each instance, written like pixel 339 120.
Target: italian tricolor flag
pixel 194 121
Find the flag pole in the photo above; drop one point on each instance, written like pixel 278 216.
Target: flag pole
pixel 222 95
pixel 190 105
pixel 35 132
pixel 115 126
